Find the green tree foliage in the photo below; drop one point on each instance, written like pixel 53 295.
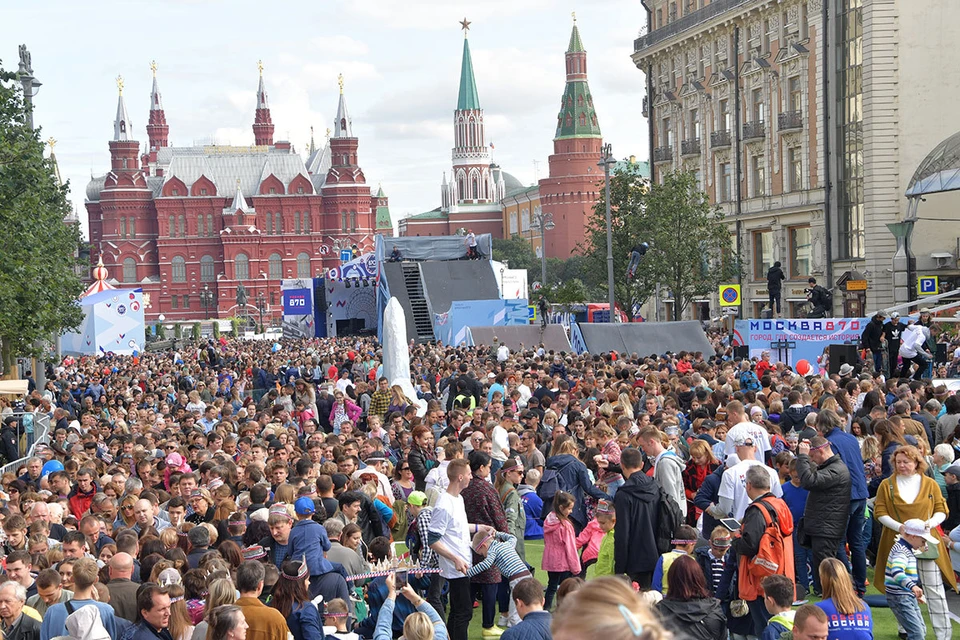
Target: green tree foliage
pixel 161 332
pixel 178 331
pixel 197 335
pixel 38 285
pixel 692 244
pixel 627 219
pixel 216 330
pixel 518 254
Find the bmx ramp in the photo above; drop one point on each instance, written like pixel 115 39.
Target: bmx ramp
pixel 554 338
pixel 449 281
pixel 645 338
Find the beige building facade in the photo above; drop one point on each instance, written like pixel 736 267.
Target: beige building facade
pixel 838 101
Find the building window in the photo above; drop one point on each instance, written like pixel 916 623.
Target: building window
pixel 758 176
pixel 276 266
pixel 343 221
pixel 800 252
pixel 174 302
pixel 273 190
pixel 269 222
pixel 182 225
pixel 794 96
pixel 200 225
pixel 762 253
pixel 186 302
pixel 759 108
pixel 850 129
pixel 278 223
pixel 723 119
pixel 296 222
pixel 175 192
pixel 300 189
pixel 725 186
pixel 666 133
pixel 122 232
pixel 203 192
pixel 132 227
pixel 241 267
pixel 795 169
pixel 273 298
pixel 303 265
pixel 353 221
pixel 173 228
pixel 178 270
pixel 307 224
pixel 513 223
pixel 206 269
pixel 129 270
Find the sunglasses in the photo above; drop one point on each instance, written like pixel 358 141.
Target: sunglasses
pixel 404 468
pixel 127 507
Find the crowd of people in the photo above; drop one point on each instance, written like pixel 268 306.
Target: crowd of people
pixel 241 489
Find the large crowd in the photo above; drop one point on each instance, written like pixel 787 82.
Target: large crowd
pixel 246 489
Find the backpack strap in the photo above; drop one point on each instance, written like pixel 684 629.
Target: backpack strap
pixel 768 512
pixel 69 606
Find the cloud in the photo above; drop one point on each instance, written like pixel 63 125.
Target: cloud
pixel 341 45
pixel 441 14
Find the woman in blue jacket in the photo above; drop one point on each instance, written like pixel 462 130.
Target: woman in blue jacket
pixel 292 598
pixel 572 477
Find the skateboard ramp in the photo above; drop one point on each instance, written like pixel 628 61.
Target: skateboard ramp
pixel 643 338
pixel 553 337
pixel 444 282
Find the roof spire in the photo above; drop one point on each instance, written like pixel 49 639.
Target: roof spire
pixel 156 104
pixel 342 125
pixel 239 202
pixel 313 146
pixel 121 126
pixel 262 123
pixel 468 98
pixel 261 92
pixel 575 46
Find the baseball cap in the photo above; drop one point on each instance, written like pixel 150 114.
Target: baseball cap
pixel 916 527
pixel 417 498
pixel 304 505
pixel 339 480
pixel 954 469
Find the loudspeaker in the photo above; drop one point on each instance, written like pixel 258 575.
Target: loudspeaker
pixel 741 352
pixel 842 354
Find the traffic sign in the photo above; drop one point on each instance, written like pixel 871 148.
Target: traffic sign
pixel 531 312
pixel 856 285
pixel 928 285
pixel 729 295
pixel 346 255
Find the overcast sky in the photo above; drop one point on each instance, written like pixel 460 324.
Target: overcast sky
pixel 400 61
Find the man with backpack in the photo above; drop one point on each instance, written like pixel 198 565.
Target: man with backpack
pixel 636 503
pixel 820 299
pixel 764 544
pixel 667 466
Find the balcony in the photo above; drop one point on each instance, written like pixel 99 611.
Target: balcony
pixel 713 10
pixel 754 130
pixel 690 147
pixel 720 139
pixel 663 154
pixel 789 120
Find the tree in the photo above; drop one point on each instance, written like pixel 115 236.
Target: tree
pixel 627 220
pixel 197 332
pixel 178 331
pixel 216 329
pixel 161 332
pixel 691 246
pixel 39 286
pixel 519 254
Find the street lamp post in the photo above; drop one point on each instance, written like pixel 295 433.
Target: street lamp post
pixel 160 320
pixel 606 162
pixel 261 304
pixel 206 299
pixel 543 222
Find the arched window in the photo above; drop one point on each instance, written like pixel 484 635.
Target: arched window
pixel 353 221
pixel 278 223
pixel 179 270
pixel 200 225
pixel 210 229
pixel 307 226
pixel 476 188
pixel 276 266
pixel 122 231
pixel 206 269
pixel 583 119
pixel 269 222
pixel 182 224
pixel 343 221
pixel 303 265
pixel 241 267
pixel 296 222
pixel 132 227
pixel 129 270
pixel 173 229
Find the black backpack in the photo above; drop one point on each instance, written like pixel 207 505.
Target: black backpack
pixel 547 489
pixel 669 517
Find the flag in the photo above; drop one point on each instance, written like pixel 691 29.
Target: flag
pixel 491 145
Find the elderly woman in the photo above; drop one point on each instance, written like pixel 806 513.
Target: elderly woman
pixel 942 458
pixel 227 622
pixel 905 495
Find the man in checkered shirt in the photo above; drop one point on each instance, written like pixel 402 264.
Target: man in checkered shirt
pixel 423 514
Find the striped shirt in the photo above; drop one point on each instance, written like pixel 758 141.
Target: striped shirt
pixel 428 557
pixel 716 572
pixel 900 576
pixel 502 554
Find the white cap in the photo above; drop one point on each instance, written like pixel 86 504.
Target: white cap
pixel 919 528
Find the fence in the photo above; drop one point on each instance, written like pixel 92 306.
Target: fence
pixel 41 434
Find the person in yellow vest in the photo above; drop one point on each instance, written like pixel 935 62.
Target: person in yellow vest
pixel 683 544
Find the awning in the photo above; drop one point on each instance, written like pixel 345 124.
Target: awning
pixel 13 387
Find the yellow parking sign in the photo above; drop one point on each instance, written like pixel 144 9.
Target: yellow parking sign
pixel 729 295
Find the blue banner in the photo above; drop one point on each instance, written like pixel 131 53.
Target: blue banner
pixel 806 339
pixel 297 302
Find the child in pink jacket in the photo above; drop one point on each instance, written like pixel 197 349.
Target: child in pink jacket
pixel 560 559
pixel 589 540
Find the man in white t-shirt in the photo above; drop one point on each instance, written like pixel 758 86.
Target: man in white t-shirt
pixel 503 353
pixel 449 535
pixel 733 485
pixel 740 428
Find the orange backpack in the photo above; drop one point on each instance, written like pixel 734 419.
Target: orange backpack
pixel 771 556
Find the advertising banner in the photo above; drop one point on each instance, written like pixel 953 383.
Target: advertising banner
pixel 792 340
pixel 298 308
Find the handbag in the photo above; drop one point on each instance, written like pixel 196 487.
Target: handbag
pixel 932 552
pixel 803 536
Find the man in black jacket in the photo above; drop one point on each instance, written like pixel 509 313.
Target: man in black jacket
pixel 775 280
pixel 872 338
pixel 635 545
pixel 823 473
pixel 891 333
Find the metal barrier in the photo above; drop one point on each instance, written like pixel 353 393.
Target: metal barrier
pixel 41 434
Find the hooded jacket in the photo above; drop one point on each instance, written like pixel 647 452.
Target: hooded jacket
pixel 308 538
pixel 80 502
pixel 700 619
pixel 793 418
pixel 872 334
pixel 775 278
pixel 828 504
pixel 574 479
pixel 635 544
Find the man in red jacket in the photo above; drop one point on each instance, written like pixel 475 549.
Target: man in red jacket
pixel 82 495
pixel 764 365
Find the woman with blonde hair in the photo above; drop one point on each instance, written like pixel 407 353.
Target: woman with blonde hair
pixel 424 624
pixel 180 627
pixel 848 617
pixel 909 494
pixel 607 608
